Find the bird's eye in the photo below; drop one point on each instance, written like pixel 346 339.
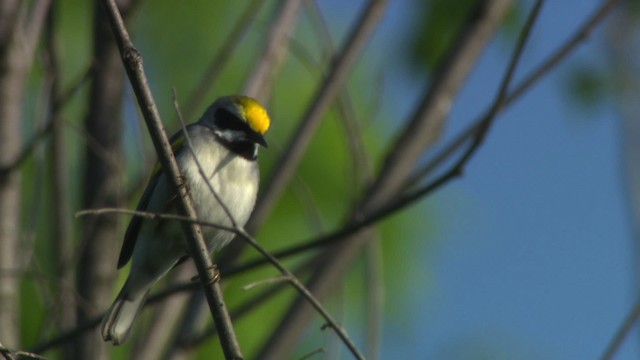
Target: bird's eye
pixel 228 121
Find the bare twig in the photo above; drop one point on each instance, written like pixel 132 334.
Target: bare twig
pixel 621 39
pixel 251 241
pixel 365 220
pixel 27 150
pixel 293 280
pixel 258 298
pixel 567 48
pixel 154 216
pixel 274 51
pixel 211 74
pixel 204 176
pixel 358 223
pixel 267 281
pixel 286 165
pixel 9 354
pixel 197 247
pixel 33 27
pixel 259 83
pixel 42 133
pixel 625 328
pixel 405 152
pixel 484 126
pixel 362 169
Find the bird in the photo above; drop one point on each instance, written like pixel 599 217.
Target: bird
pixel 225 142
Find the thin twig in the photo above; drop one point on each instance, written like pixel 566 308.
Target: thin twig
pixel 132 61
pixel 483 128
pixel 567 48
pixel 274 51
pixel 258 298
pixel 42 133
pixel 251 241
pixel 153 216
pixel 313 353
pixel 359 223
pixel 293 280
pixel 214 70
pixel 18 354
pixel 362 168
pixel 201 171
pixel 458 62
pixel 622 333
pixel 268 281
pixel 291 156
pixel 363 221
pixel 27 150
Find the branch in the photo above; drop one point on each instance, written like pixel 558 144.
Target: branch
pixel 622 333
pixel 522 87
pixel 132 61
pixel 274 51
pixel 361 222
pixel 9 354
pixel 240 232
pixel 41 134
pixel 483 127
pixel 306 294
pixel 406 151
pixel 33 26
pixel 190 342
pixel 213 71
pixel 286 165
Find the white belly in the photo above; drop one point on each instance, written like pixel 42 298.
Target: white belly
pixel 234 180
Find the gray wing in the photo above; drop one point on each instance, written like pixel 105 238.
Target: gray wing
pixel 131 235
pixel 133 230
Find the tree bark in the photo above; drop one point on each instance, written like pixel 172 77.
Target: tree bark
pixel 19 32
pixel 103 182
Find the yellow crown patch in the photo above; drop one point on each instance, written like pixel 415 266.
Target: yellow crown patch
pixel 255 114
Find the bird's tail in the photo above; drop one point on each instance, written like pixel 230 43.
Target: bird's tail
pixel 119 319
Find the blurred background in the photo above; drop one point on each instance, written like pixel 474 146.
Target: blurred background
pixel 530 254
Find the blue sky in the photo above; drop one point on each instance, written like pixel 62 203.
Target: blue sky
pixel 533 257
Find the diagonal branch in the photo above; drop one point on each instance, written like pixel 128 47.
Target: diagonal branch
pixel 621 334
pixel 274 52
pixel 428 117
pixel 240 232
pixel 304 292
pixel 133 64
pixel 286 165
pixel 359 223
pixel 581 34
pixel 214 70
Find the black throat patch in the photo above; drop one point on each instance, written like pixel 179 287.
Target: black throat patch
pixel 245 149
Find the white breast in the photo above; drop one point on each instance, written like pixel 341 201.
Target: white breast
pixel 233 178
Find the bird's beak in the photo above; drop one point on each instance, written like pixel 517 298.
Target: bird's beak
pixel 258 139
